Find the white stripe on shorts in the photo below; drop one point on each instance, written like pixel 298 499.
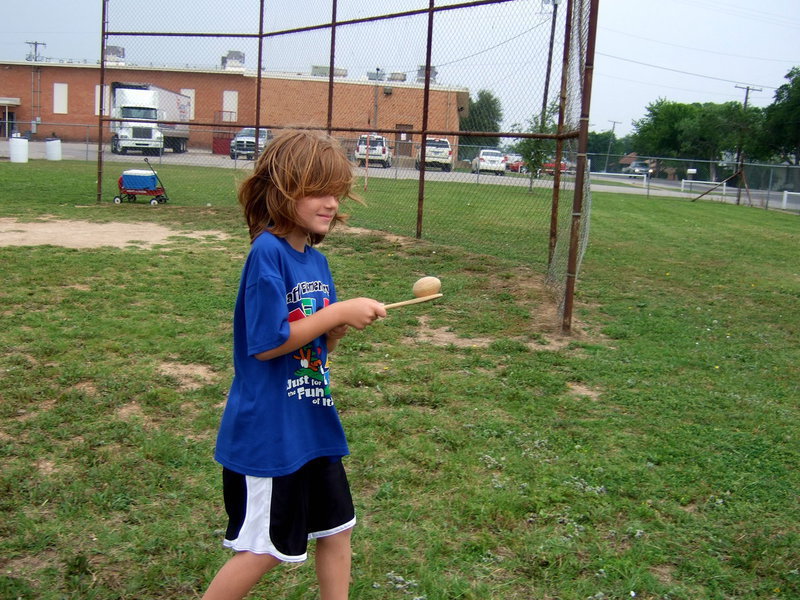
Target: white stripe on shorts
pixel 321 534
pixel 254 533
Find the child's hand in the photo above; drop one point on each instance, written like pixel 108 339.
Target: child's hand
pixel 337 333
pixel 360 312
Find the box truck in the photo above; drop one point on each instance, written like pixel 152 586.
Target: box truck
pixel 140 106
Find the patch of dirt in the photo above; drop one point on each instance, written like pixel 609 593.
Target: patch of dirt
pixel 24 566
pixel 130 410
pixel 46 467
pixel 580 390
pixel 400 240
pixel 190 377
pixel 26 415
pixel 86 387
pixel 445 337
pixel 664 573
pixel 85 234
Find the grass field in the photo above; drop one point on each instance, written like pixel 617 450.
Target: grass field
pixel 654 453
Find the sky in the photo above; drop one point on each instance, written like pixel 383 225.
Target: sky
pixel 680 50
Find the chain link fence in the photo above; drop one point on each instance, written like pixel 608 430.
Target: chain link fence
pixel 483 79
pixel 764 185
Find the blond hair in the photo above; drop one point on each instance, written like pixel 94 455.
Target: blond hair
pixel 296 164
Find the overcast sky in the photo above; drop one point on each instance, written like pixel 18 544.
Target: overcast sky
pixel 681 50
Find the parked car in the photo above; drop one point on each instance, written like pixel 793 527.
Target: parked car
pixel 492 161
pixel 549 168
pixel 517 166
pixel 637 168
pixel 438 153
pixel 379 151
pixel 515 163
pixel 244 143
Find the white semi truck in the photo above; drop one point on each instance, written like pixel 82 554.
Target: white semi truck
pixel 140 105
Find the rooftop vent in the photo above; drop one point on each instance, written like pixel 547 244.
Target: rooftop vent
pixel 323 71
pixel 421 74
pixel 233 61
pixel 115 55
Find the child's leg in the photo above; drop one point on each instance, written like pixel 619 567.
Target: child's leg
pixel 239 575
pixel 333 565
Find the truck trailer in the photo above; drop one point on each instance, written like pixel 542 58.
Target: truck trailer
pixel 152 119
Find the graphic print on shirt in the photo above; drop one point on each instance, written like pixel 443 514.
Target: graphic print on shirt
pixel 311 380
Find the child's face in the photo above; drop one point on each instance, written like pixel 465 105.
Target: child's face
pixel 315 213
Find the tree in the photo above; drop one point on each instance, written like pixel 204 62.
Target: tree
pixel 705 131
pixel 485 114
pixel 606 145
pixel 659 133
pixel 535 151
pixel 782 120
pixel 708 130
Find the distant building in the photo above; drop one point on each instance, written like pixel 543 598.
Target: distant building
pixel 64 99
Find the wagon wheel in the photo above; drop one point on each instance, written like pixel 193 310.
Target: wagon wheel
pixel 117 200
pixel 154 202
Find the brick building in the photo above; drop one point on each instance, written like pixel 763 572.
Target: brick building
pixel 48 99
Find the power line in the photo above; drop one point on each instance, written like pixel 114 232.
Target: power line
pixel 772 87
pixel 668 87
pixel 639 37
pixel 485 50
pixel 725 8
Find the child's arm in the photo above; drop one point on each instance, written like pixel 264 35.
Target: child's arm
pixel 357 312
pixel 334 335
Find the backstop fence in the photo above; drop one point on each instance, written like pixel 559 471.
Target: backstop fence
pixel 436 88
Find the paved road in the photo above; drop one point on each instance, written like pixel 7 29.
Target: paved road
pixel 600 183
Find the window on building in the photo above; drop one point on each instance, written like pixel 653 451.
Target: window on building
pixel 189 92
pixel 60 94
pixel 106 100
pixel 230 105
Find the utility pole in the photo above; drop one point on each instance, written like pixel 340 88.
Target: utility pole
pixel 739 154
pixel 375 102
pixel 610 141
pixel 36 84
pixel 543 120
pixel 34 54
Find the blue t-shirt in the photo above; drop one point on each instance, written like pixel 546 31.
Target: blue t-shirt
pixel 279 413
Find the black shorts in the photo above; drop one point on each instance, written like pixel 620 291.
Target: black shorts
pixel 278 515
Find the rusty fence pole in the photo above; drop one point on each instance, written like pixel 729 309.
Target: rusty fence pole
pixel 259 80
pixel 562 108
pixel 425 103
pixel 580 175
pixel 102 110
pixel 331 66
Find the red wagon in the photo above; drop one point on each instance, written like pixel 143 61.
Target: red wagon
pixel 138 182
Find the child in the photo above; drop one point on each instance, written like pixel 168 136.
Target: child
pixel 280 441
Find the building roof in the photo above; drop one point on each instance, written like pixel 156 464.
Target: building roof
pixel 232 72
